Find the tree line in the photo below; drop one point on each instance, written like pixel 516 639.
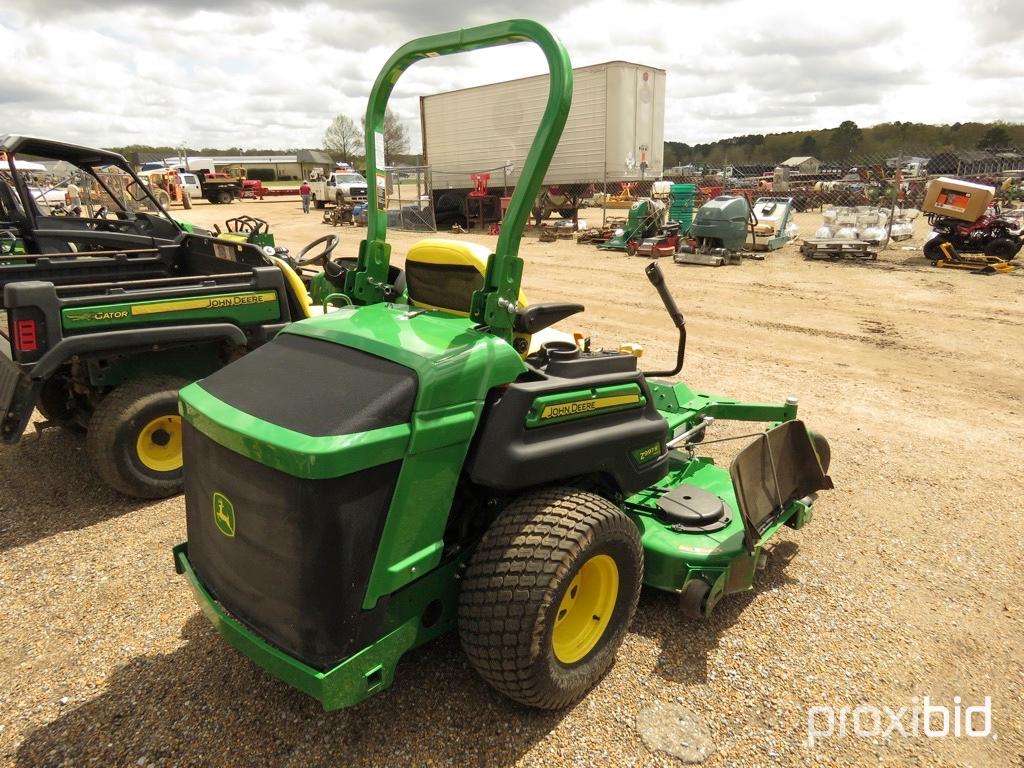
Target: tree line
pixel 344 140
pixel 847 141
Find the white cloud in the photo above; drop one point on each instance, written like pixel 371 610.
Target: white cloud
pixel 272 74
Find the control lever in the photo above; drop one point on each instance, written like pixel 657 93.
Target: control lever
pixel 657 278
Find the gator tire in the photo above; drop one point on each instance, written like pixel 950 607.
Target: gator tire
pixel 134 438
pixel 549 594
pixel 59 407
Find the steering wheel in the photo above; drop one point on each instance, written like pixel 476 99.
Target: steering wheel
pixel 328 243
pixel 248 224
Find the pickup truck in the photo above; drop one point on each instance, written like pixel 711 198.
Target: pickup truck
pixel 190 183
pixel 337 187
pixel 106 315
pixel 219 187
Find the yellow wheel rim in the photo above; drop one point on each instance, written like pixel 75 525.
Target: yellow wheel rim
pixel 586 609
pixel 159 444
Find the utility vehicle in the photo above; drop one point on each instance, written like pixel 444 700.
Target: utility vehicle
pixel 105 315
pixel 432 472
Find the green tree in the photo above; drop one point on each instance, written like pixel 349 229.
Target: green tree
pixel 995 137
pixel 845 139
pixel 809 145
pixel 343 137
pixel 753 142
pixel 396 140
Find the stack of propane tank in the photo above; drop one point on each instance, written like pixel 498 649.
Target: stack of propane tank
pixel 865 223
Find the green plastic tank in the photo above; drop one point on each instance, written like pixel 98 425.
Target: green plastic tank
pixel 681 209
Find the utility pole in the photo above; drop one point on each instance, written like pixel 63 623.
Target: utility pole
pixel 897 179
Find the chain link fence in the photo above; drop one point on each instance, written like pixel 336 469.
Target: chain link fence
pixel 408 198
pixel 867 193
pixel 859 181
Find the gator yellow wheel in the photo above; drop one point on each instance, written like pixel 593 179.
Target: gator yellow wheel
pixel 134 437
pixel 549 594
pixel 159 444
pixel 585 609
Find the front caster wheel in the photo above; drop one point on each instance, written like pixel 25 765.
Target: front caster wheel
pixel 549 594
pixel 694 599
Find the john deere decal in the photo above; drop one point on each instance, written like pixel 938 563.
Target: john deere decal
pixel 224 514
pixel 580 404
pixel 247 307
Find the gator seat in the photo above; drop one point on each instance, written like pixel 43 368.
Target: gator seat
pixel 300 298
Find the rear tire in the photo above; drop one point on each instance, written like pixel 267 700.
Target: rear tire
pixel 549 594
pixel 1004 248
pixel 134 438
pixel 224 196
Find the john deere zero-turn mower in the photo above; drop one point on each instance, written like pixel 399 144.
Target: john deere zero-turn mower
pixel 405 466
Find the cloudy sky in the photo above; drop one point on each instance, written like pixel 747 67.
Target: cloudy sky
pixel 272 74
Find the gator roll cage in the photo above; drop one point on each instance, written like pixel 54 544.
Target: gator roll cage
pixel 494 305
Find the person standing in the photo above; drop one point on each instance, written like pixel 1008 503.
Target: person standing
pixel 74 196
pixel 304 192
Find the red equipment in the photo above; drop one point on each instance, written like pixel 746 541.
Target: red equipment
pixel 480 184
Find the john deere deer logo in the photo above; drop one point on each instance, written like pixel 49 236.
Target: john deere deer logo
pixel 224 514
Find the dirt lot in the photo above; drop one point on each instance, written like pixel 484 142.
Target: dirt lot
pixel 907 584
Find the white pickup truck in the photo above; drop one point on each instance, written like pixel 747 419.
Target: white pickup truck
pixel 190 183
pixel 337 187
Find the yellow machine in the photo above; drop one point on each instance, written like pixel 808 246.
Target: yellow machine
pixel 976 262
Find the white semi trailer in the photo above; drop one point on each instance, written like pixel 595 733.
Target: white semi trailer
pixel 615 133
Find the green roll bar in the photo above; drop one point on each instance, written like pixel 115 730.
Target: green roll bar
pixel 494 305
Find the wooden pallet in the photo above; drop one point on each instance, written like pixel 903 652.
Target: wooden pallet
pixel 837 249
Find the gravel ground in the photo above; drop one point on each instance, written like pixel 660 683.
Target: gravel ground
pixel 907 584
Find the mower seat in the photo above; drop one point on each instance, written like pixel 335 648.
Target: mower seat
pixel 442 274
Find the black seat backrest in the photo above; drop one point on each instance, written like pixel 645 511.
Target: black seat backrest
pixel 10 206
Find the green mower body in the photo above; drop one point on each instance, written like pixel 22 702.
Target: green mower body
pixel 645 218
pixel 722 222
pixel 408 464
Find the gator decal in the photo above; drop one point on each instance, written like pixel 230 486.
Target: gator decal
pixel 249 307
pixel 578 404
